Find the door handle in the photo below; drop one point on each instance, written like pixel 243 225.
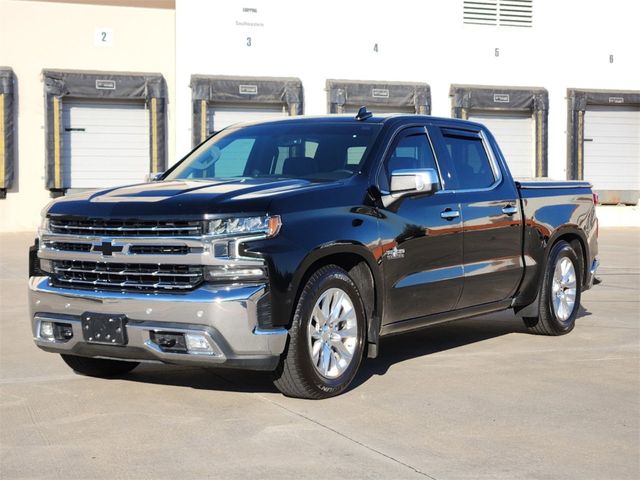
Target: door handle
pixel 449 214
pixel 509 210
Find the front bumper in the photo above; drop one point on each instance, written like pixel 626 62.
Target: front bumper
pixel 227 317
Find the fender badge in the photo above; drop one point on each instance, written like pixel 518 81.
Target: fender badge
pixel 395 253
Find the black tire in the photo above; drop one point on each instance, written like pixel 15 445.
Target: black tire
pixel 296 375
pixel 547 322
pixel 98 367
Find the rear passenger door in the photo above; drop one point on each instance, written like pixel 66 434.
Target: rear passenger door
pixel 491 216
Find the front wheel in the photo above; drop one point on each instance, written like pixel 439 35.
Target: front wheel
pixel 326 338
pixel 559 293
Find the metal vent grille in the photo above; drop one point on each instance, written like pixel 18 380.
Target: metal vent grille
pixel 506 13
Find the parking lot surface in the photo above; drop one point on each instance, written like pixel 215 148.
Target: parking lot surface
pixel 476 399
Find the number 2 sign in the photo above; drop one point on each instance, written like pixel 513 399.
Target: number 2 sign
pixel 103 37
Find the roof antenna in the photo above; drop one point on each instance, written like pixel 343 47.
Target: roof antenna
pixel 363 114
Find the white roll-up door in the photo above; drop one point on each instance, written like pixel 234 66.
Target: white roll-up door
pixel 515 134
pixel 612 151
pixel 220 117
pixel 105 143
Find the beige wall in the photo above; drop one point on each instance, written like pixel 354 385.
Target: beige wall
pixel 36 35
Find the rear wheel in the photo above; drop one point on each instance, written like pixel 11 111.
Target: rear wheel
pixel 326 338
pixel 559 294
pixel 98 367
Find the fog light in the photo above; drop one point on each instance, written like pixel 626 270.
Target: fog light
pixel 63 331
pixel 172 342
pixel 46 331
pixel 197 343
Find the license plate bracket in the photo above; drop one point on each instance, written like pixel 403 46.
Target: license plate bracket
pixel 104 328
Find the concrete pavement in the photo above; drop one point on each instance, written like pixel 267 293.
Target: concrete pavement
pixel 475 399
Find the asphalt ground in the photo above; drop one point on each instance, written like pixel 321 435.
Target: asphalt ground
pixel 475 399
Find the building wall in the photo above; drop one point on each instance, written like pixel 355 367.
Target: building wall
pixel 36 35
pixel 418 40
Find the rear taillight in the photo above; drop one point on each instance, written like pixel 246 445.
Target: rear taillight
pixel 596 199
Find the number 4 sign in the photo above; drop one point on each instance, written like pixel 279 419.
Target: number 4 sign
pixel 103 37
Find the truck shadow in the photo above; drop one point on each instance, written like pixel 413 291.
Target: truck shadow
pixel 439 338
pixel 393 350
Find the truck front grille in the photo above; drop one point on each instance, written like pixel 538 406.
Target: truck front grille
pixel 159 250
pixel 148 277
pixel 69 246
pixel 120 228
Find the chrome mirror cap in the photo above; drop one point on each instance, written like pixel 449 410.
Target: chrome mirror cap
pixel 414 181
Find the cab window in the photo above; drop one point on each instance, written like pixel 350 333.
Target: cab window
pixel 469 159
pixel 411 152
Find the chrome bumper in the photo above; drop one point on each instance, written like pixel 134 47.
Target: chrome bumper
pixel 225 316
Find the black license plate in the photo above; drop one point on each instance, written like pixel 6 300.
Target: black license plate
pixel 104 328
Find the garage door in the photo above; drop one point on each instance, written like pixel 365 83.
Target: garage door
pixel 612 152
pixel 222 117
pixel 515 133
pixel 105 144
pixel 379 109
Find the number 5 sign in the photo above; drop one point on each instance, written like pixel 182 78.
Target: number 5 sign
pixel 103 37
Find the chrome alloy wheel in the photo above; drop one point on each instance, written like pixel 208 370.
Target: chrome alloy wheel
pixel 332 333
pixel 563 289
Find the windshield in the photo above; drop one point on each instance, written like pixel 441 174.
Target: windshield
pixel 312 151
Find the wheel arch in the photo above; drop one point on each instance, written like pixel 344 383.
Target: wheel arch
pixel 578 241
pixel 358 261
pixel 575 237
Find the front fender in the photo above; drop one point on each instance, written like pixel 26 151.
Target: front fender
pixel 309 241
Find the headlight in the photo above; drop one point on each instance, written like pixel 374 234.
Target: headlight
pixel 266 225
pixel 235 273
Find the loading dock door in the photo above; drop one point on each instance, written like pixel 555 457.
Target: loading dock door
pixel 105 143
pixel 612 152
pixel 515 133
pixel 220 117
pixel 380 109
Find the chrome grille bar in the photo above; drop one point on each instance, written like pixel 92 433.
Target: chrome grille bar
pixel 123 285
pixel 126 276
pixel 117 228
pixel 126 272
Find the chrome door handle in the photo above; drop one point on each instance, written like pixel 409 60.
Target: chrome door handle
pixel 450 214
pixel 509 210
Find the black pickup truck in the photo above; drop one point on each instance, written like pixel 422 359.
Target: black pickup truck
pixel 295 245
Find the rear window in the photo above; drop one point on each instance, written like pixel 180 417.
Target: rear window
pixel 312 151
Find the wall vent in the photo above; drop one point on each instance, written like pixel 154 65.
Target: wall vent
pixel 504 13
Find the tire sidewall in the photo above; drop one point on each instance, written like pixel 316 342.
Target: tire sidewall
pixel 559 251
pixel 329 278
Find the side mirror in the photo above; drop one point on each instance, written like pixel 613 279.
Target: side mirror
pixel 413 182
pixel 154 177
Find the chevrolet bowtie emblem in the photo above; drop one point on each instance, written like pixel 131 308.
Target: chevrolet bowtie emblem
pixel 107 248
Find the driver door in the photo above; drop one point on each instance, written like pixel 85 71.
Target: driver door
pixel 421 237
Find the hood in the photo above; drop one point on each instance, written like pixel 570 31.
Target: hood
pixel 181 198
